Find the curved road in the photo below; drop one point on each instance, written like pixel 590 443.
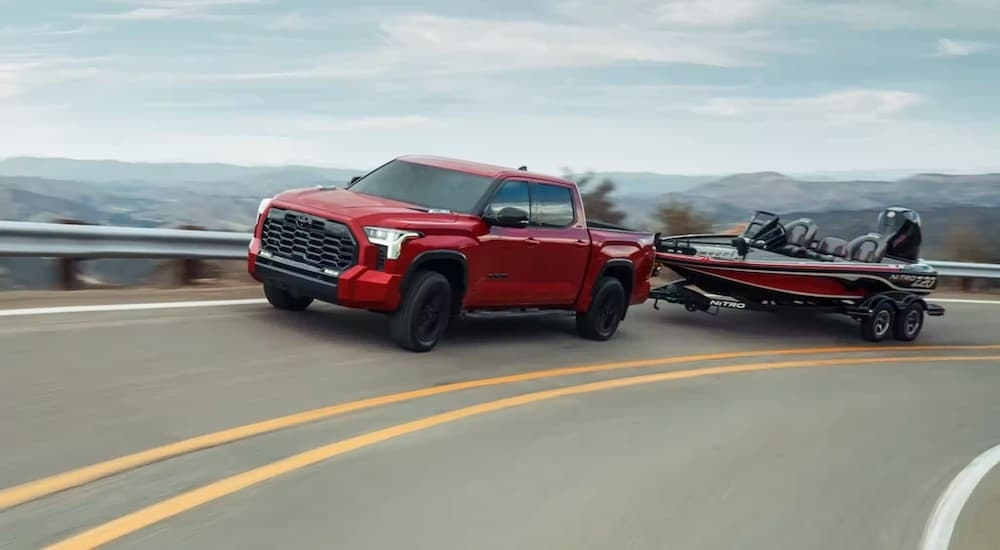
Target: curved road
pixel 743 431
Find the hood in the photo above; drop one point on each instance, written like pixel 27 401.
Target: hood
pixel 366 209
pixel 340 199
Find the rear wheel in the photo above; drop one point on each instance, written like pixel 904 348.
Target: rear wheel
pixel 601 320
pixel 908 322
pixel 282 299
pixel 879 325
pixel 423 315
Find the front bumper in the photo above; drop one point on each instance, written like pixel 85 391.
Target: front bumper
pixel 359 286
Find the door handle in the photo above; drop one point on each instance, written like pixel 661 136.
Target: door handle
pixel 531 241
pixel 581 242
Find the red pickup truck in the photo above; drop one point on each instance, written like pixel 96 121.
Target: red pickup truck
pixel 425 239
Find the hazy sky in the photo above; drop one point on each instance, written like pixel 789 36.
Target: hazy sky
pixel 689 86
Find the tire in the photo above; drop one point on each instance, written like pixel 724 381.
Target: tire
pixel 908 322
pixel 877 327
pixel 601 320
pixel 282 299
pixel 423 315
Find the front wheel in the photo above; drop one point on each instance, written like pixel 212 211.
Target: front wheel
pixel 282 299
pixel 601 320
pixel 423 315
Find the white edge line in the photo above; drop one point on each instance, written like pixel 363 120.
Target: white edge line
pixel 250 301
pixel 941 524
pixel 126 307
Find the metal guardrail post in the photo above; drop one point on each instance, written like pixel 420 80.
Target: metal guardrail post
pixel 67 269
pixel 966 284
pixel 189 268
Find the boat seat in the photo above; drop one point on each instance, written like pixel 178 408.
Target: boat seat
pixel 799 237
pixel 866 248
pixel 832 246
pixel 801 232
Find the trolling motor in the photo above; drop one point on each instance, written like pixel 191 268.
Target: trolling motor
pixel 742 246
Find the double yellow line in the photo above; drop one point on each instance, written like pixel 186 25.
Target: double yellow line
pixel 134 521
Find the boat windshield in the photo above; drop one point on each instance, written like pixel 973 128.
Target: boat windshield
pixel 426 186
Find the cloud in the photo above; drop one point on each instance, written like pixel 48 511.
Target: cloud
pixel 453 42
pixel 8 84
pixel 888 14
pixel 298 22
pixel 339 70
pixel 856 14
pixel 659 13
pixel 955 48
pixel 159 10
pixel 181 4
pixel 425 46
pixel 848 105
pixel 19 77
pixel 322 125
pixel 43 30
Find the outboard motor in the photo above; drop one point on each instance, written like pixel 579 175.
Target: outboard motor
pixel 900 231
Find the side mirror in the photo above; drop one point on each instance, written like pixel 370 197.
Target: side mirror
pixel 508 216
pixel 354 179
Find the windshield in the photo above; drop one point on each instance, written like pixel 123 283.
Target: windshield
pixel 426 186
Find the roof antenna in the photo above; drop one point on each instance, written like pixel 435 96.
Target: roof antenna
pixel 523 168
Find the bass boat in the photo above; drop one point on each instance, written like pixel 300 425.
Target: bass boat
pixel 876 278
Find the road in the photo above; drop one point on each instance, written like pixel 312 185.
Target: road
pixel 736 438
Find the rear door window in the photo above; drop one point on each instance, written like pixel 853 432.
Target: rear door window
pixel 552 206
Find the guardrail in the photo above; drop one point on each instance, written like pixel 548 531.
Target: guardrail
pixel 71 241
pixel 965 270
pixel 57 240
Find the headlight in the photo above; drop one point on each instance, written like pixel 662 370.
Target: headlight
pixel 391 239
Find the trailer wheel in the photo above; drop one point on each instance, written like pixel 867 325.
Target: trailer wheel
pixel 423 315
pixel 282 299
pixel 908 322
pixel 880 324
pixel 601 320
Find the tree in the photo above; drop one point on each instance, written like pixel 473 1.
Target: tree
pixel 677 218
pixel 596 197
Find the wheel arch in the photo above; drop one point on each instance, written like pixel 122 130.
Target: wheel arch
pixel 622 269
pixel 450 263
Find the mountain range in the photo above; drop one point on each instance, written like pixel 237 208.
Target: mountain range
pixel 225 196
pixel 731 197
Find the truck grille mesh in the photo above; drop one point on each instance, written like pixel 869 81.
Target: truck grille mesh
pixel 316 242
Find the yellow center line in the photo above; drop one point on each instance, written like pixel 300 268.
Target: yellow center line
pixel 130 523
pixel 46 486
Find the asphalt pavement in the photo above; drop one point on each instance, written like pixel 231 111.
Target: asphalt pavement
pixel 809 456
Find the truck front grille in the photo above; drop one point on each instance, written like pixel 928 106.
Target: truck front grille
pixel 309 240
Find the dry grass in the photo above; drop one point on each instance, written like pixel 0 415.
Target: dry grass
pixel 216 273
